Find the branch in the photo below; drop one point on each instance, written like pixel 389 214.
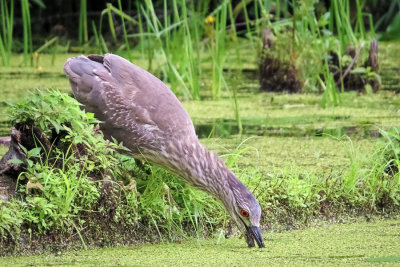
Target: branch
pixel 351 64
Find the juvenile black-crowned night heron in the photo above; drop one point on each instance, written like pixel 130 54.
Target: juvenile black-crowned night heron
pixel 142 112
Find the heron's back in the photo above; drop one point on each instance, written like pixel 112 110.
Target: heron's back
pixel 137 107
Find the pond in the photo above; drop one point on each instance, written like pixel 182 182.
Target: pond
pixel 352 244
pixel 281 133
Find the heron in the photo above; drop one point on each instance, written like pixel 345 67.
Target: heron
pixel 138 109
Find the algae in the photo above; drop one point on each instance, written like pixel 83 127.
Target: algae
pixel 362 243
pixel 268 154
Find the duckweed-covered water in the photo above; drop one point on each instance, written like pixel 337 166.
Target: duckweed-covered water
pixel 357 244
pixel 262 114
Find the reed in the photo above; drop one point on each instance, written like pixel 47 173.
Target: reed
pixel 127 47
pixel 6 36
pixel 83 28
pixel 27 33
pixel 218 48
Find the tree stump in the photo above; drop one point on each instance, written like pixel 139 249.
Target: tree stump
pixel 8 170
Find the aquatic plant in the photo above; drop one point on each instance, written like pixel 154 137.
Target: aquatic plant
pixel 83 27
pixel 69 168
pixel 6 36
pixel 65 183
pixel 26 20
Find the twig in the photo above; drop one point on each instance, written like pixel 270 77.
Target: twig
pixel 351 64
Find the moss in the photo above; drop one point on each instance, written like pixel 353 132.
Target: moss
pixel 282 110
pixel 266 154
pixel 328 245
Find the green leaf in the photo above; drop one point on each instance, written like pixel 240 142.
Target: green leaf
pixel 42 125
pixel 15 161
pixel 34 152
pixel 23 148
pixel 30 163
pixel 90 115
pixel 359 70
pixel 56 125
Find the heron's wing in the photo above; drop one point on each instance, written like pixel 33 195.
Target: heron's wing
pixel 124 95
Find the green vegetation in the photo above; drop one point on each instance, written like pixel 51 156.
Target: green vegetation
pixel 176 37
pixel 70 167
pixel 324 155
pixel 336 245
pixel 7 22
pixel 64 177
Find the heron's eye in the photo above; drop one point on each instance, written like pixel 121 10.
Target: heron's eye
pixel 244 213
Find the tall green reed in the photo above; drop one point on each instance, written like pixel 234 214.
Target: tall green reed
pixel 53 42
pixel 27 32
pixel 6 36
pixel 171 44
pixel 83 27
pixel 130 57
pixel 218 48
pixel 109 11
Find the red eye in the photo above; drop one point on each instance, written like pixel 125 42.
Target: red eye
pixel 244 213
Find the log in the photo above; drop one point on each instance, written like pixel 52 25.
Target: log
pixel 9 171
pixel 5 140
pixel 373 56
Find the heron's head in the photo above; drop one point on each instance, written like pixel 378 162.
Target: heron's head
pixel 246 211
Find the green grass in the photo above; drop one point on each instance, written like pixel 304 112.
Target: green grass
pixel 355 244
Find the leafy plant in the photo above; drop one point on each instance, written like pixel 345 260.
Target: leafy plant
pixel 61 184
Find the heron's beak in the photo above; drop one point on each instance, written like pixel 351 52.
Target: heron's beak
pixel 254 232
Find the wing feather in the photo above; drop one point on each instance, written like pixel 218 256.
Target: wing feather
pixel 133 103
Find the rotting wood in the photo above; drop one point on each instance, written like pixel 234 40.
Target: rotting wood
pixel 8 170
pixel 5 140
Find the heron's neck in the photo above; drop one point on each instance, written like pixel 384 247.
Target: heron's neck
pixel 203 169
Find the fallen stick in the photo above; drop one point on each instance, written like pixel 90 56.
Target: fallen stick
pixel 351 64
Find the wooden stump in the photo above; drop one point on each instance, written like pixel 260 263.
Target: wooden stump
pixel 8 170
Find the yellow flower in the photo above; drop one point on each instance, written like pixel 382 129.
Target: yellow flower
pixel 40 68
pixel 35 55
pixel 209 20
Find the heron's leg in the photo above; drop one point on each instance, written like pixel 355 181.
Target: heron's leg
pixel 228 231
pixel 250 239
